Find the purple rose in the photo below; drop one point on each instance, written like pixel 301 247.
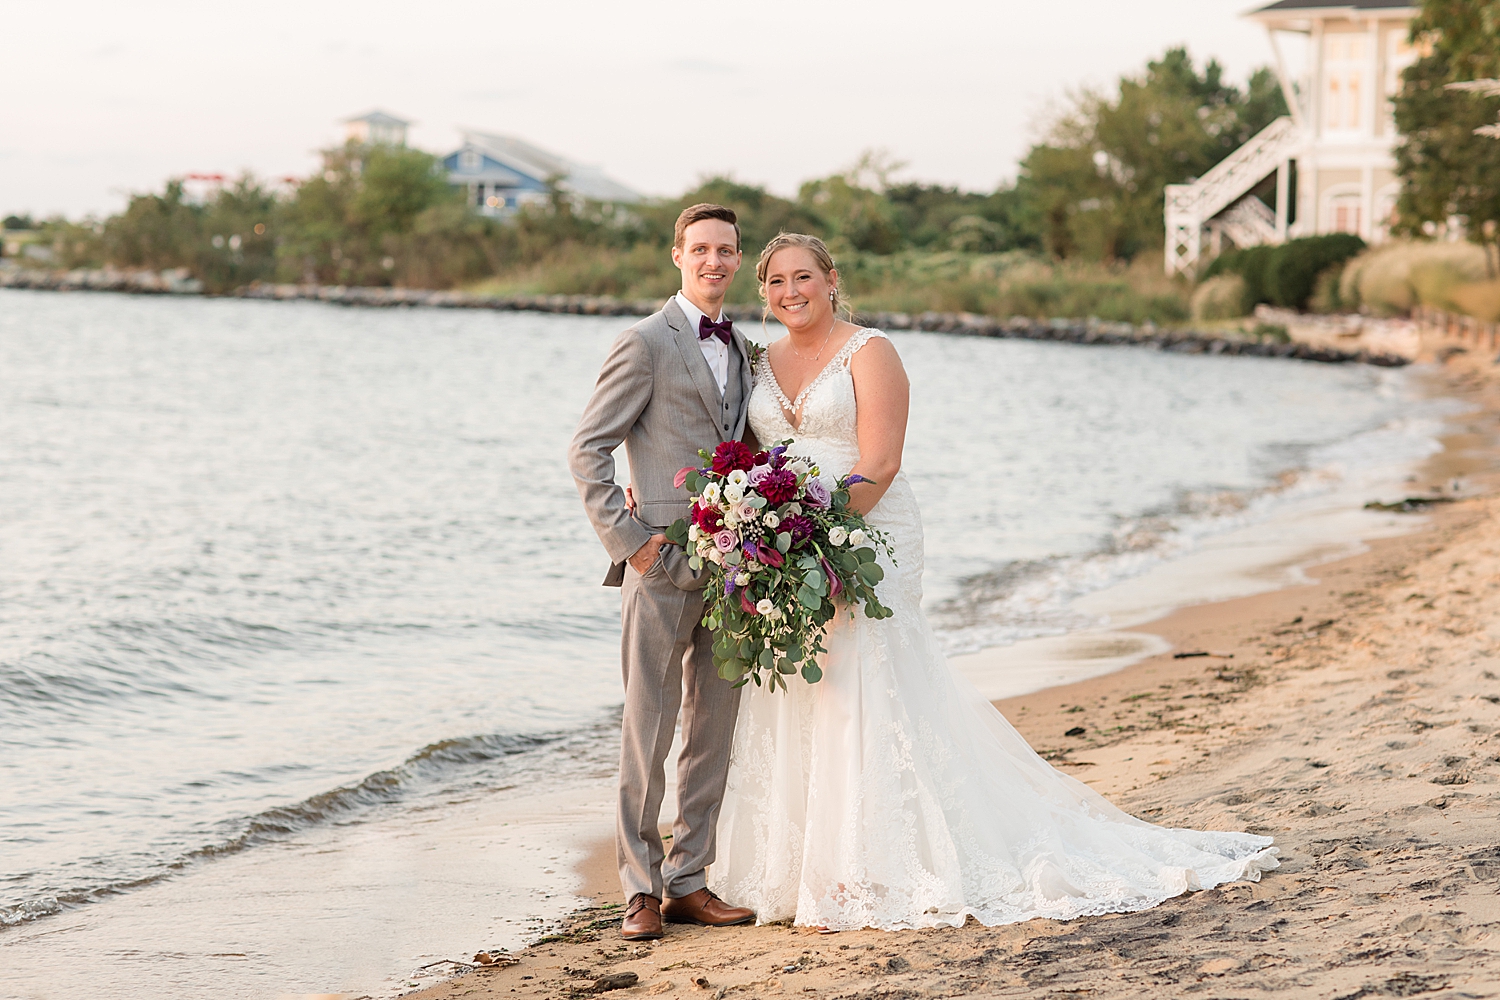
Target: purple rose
pixel 758 473
pixel 725 540
pixel 816 492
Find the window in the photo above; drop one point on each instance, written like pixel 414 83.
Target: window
pixel 1344 211
pixel 1343 70
pixel 468 160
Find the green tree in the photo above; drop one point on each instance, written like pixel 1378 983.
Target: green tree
pixel 359 221
pixel 1446 170
pixel 1094 188
pixel 156 231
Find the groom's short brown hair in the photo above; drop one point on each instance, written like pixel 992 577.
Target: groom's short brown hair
pixel 699 212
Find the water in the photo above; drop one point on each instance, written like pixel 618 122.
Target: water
pixel 268 567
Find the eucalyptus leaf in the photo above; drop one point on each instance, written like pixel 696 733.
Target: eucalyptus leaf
pixel 812 673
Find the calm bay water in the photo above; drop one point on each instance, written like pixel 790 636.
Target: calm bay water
pixel 265 566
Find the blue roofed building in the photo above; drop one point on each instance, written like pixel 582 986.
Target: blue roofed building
pixel 500 173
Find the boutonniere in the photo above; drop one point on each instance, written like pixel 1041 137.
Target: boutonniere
pixel 754 351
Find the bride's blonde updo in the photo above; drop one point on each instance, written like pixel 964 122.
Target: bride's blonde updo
pixel 821 257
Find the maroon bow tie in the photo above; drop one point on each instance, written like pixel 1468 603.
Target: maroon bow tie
pixel 708 328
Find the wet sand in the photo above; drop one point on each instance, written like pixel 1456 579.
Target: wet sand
pixel 1355 718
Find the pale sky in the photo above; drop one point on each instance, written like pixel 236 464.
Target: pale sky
pixel 108 98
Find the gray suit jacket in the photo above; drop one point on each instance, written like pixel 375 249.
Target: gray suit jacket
pixel 657 395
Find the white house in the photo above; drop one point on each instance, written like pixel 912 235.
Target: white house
pixel 376 128
pixel 1333 156
pixel 501 172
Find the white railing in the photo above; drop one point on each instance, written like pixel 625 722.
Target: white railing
pixel 1191 206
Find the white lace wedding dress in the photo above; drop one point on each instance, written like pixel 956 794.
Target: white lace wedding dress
pixel 891 794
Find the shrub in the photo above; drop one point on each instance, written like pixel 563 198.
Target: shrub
pixel 1293 269
pixel 1286 275
pixel 1392 278
pixel 1220 297
pixel 1325 297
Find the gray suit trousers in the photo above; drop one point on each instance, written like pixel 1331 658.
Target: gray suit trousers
pixel 667 660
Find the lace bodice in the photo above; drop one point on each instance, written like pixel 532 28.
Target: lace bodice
pixel 827 428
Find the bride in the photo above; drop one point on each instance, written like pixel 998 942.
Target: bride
pixel 891 794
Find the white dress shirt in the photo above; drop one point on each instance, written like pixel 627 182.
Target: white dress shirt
pixel 715 351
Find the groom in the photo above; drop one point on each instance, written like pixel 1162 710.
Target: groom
pixel 675 382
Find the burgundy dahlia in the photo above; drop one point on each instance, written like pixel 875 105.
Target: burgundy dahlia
pixel 731 455
pixel 779 486
pixel 800 527
pixel 708 519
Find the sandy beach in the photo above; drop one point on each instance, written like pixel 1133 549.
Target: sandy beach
pixel 1354 718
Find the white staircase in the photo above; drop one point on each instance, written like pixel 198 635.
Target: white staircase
pixel 1249 222
pixel 1190 207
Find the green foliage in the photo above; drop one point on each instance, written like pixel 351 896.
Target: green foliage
pixel 1089 199
pixel 1094 188
pixel 1446 169
pixel 1286 275
pixel 1220 297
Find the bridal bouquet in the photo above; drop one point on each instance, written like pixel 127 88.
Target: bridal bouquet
pixel 782 546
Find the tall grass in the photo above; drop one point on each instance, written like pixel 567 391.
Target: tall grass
pixel 1391 279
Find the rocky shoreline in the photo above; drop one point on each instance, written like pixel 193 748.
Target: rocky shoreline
pixel 1073 331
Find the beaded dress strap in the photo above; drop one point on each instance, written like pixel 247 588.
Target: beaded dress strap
pixel 836 364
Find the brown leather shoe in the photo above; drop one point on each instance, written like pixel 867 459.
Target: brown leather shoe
pixel 704 908
pixel 642 918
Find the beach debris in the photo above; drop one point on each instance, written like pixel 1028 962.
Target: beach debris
pixel 495 960
pixel 701 982
pixel 897 964
pixel 1410 505
pixel 615 981
pixel 1075 731
pixel 1188 654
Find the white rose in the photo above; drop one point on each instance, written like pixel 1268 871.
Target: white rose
pixel 858 537
pixel 733 492
pixel 751 566
pixel 730 520
pixel 715 556
pixel 692 532
pixel 773 521
pixel 740 579
pixel 711 493
pixel 837 536
pixel 764 606
pixel 775 615
pixel 738 478
pixel 794 508
pixel 799 468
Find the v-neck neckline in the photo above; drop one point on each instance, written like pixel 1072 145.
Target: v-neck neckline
pixel 789 407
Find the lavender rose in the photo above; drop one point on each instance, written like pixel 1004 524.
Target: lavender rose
pixel 816 492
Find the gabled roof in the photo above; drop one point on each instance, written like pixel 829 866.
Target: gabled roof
pixel 1335 5
pixel 377 117
pixel 540 165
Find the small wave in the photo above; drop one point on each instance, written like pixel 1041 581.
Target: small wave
pixel 1032 598
pixel 432 766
